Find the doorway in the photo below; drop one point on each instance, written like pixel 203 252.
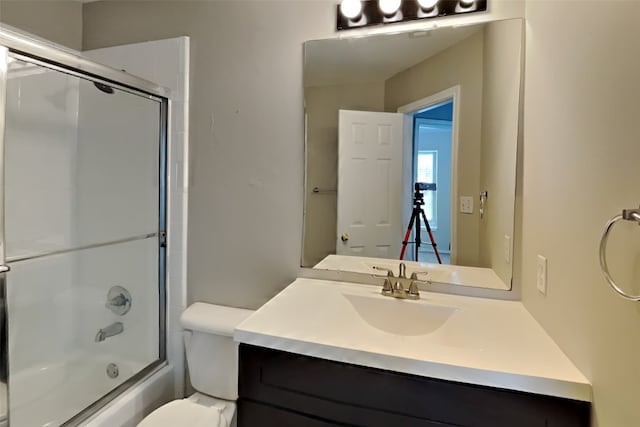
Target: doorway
pixel 431 154
pixel 432 147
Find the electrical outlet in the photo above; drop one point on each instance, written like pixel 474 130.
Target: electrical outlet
pixel 466 204
pixel 507 248
pixel 541 274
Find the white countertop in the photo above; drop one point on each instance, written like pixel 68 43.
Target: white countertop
pixel 481 341
pixel 477 277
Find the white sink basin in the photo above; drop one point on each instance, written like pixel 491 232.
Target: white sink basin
pixel 479 341
pixel 400 317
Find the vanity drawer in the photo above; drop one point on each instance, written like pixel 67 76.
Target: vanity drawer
pixel 257 414
pixel 252 414
pixel 350 394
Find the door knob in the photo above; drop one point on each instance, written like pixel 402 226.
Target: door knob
pixel 344 237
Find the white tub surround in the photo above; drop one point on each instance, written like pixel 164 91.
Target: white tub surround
pixel 460 275
pixel 131 407
pixel 50 395
pixel 470 340
pixel 166 62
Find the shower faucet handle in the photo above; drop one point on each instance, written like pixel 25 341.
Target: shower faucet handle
pixel 118 300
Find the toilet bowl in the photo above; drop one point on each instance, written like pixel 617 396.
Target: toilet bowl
pixel 212 359
pixel 198 410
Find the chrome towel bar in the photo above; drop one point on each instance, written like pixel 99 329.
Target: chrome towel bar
pixel 318 190
pixel 626 215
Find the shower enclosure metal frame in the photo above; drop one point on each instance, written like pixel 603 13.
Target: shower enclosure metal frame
pixel 16 45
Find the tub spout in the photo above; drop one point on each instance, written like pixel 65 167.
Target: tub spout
pixel 109 331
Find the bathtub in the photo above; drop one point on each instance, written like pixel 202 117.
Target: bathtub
pixel 47 396
pixel 128 409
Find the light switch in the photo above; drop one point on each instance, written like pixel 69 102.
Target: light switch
pixel 541 274
pixel 466 204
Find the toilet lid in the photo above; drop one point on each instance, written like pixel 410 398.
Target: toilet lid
pixel 185 413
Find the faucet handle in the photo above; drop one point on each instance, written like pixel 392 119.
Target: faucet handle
pixel 389 272
pixel 118 300
pixel 413 287
pixel 414 275
pixel 387 287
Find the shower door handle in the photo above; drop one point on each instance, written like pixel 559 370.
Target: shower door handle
pixel 4 268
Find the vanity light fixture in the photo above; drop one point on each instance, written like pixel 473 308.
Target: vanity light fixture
pixel 427 4
pixel 389 7
pixel 351 8
pixel 362 13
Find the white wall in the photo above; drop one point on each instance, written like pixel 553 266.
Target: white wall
pixel 116 197
pixel 245 211
pixel 581 151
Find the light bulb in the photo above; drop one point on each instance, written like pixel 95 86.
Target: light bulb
pixel 466 3
pixel 351 8
pixel 427 4
pixel 389 7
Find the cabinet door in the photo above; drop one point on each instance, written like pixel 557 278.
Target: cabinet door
pixel 351 395
pixel 251 414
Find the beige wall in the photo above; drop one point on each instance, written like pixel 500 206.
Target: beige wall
pixel 322 105
pixel 246 132
pixel 500 105
pixel 461 65
pixel 580 160
pixel 58 21
pixel 246 124
pixel 582 145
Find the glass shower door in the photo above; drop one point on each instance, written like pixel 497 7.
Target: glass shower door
pixel 84 233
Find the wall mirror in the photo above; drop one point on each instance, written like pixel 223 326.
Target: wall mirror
pixel 385 112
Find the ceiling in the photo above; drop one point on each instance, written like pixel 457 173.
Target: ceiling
pixel 375 58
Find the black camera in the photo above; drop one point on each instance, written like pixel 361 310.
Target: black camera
pixel 424 186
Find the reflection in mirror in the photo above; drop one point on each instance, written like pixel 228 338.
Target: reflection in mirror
pixel 385 112
pixel 4 350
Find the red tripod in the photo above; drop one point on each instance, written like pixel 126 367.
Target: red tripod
pixel 418 202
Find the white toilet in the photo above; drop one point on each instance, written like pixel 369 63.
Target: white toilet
pixel 212 358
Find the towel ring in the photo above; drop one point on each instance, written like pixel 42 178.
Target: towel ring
pixel 626 215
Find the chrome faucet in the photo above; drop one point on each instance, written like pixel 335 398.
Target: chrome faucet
pixel 402 287
pixel 109 331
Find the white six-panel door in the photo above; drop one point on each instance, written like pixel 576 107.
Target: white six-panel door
pixel 369 184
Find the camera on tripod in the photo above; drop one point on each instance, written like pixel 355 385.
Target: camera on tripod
pixel 424 186
pixel 416 215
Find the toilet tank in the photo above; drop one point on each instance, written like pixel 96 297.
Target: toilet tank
pixel 212 355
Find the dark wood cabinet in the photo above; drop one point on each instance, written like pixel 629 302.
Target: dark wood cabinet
pixel 284 389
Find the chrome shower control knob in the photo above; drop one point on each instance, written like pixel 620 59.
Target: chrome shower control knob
pixel 118 300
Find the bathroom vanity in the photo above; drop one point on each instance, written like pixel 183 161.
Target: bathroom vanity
pixel 327 353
